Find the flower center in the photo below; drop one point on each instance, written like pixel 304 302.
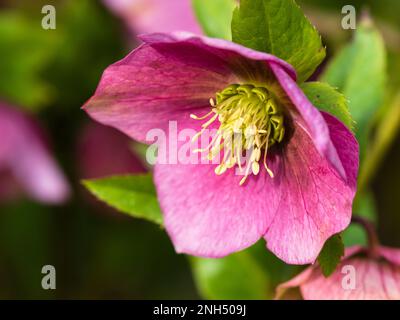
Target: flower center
pixel 250 122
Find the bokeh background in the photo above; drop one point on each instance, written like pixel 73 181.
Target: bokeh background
pixel 98 252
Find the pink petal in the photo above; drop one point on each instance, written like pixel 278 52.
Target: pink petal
pixel 242 60
pixel 24 155
pixel 375 280
pixel 390 254
pixel 170 77
pixel 314 122
pixel 208 215
pixel 145 16
pixel 149 88
pixel 352 251
pixel 310 199
pixel 302 278
pixel 315 203
pixel 346 146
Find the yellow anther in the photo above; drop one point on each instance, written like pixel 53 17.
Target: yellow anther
pixel 255 167
pixel 250 121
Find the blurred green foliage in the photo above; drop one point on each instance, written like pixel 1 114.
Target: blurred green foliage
pixel 215 17
pixel 24 50
pixel 250 274
pixel 363 86
pixel 237 276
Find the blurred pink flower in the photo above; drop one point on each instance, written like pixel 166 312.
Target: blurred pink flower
pixel 359 277
pixel 302 197
pixel 144 16
pixel 25 162
pixel 104 151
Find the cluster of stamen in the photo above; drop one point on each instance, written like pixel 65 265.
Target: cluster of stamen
pixel 250 122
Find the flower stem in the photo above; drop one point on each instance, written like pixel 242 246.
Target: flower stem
pixel 373 241
pixel 384 137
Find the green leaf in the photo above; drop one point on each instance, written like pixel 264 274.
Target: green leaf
pixel 359 71
pixel 330 256
pixel 134 195
pixel 326 98
pixel 279 27
pixel 215 17
pixel 234 277
pixel 25 49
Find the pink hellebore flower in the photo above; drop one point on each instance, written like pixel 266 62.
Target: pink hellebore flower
pixel 144 16
pixel 301 197
pixel 359 277
pixel 104 151
pixel 25 161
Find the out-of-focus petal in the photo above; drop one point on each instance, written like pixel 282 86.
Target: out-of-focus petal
pixel 25 156
pixel 104 151
pixel 358 277
pixel 145 16
pixel 390 254
pixel 374 280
